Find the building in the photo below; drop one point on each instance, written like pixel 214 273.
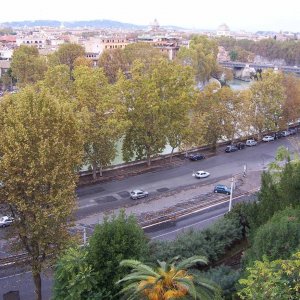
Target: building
pixel 223 30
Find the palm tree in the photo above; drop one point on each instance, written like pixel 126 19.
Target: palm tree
pixel 168 281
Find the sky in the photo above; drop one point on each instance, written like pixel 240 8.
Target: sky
pixel 251 15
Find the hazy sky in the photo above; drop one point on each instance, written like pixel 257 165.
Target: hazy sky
pixel 248 15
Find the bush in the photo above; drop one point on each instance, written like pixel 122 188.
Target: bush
pixel 278 238
pixel 211 242
pixel 113 241
pixel 225 277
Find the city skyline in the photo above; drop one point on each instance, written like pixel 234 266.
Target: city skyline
pixel 252 16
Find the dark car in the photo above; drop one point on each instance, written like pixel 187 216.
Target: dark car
pixel 231 148
pixel 223 189
pixel 196 156
pixel 240 145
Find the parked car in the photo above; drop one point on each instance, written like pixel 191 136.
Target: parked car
pixel 292 131
pixel 251 143
pixel 285 133
pixel 231 148
pixel 240 145
pixel 268 138
pixel 196 156
pixel 136 194
pixel 6 221
pixel 223 189
pixel 201 174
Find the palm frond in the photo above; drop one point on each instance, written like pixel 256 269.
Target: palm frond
pixel 192 261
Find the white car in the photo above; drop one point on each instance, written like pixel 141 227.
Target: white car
pixel 136 194
pixel 201 174
pixel 251 143
pixel 6 221
pixel 268 138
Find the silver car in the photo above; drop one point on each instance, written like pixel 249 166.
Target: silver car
pixel 6 221
pixel 136 194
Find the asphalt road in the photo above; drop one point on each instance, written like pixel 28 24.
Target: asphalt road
pixel 115 194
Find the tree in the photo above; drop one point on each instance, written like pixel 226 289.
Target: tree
pixel 169 281
pixel 27 66
pixel 102 115
pixel 217 114
pixel 201 56
pixel 267 101
pixel 40 151
pixel 74 278
pixel 112 241
pixel 144 52
pixel 278 238
pixel 146 97
pixel 272 280
pixel 67 55
pixel 176 85
pixel 58 81
pixel 112 61
pixel 291 106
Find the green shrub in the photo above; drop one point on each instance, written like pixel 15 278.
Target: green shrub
pixel 211 242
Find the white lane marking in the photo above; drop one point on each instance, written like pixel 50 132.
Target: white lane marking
pixel 187 226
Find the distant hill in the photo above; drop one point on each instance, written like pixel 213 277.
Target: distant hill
pixel 81 24
pixel 75 24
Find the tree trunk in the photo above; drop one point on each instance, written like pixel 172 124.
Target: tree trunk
pixel 38 285
pixel 171 156
pixel 100 171
pixel 94 166
pixel 148 160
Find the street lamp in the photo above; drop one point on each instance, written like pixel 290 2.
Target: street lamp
pixel 231 192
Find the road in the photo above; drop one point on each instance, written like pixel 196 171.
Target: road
pixel 115 194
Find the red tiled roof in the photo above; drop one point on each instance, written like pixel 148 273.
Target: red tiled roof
pixel 8 38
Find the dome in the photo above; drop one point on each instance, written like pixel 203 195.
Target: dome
pixel 223 27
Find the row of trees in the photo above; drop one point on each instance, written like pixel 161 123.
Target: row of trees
pixel 245 50
pixel 159 104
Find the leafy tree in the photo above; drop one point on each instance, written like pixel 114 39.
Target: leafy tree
pixel 267 102
pixel 278 238
pixel 147 96
pixel 291 106
pixel 169 281
pixel 102 114
pixel 27 66
pixel 40 150
pixel 74 278
pixel 272 280
pixel 57 80
pixel 233 55
pixel 201 56
pixel 218 114
pixel 67 55
pixel 144 52
pixel 114 240
pixel 112 61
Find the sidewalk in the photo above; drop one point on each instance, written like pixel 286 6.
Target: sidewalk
pixel 173 200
